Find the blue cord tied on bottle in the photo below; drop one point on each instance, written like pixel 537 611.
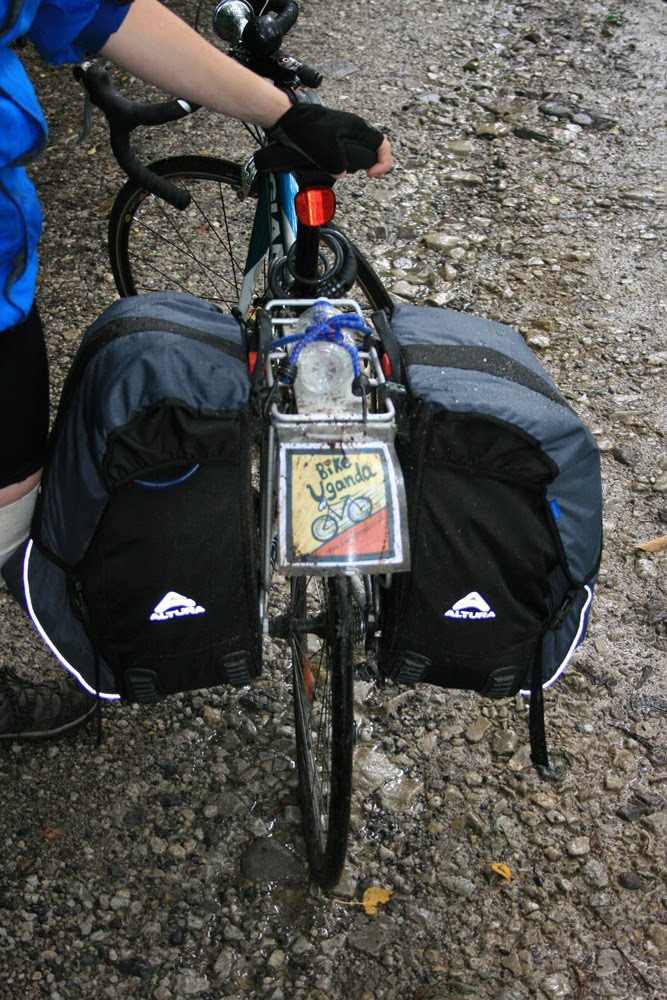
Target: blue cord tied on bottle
pixel 331 330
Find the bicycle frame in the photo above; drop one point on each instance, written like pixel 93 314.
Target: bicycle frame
pixel 274 227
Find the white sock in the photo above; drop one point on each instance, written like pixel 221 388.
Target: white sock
pixel 15 522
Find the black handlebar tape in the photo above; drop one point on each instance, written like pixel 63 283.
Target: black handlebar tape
pixel 263 35
pixel 134 168
pixel 123 113
pixel 123 116
pixel 286 11
pixel 309 76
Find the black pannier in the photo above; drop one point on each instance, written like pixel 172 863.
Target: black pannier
pixel 141 570
pixel 505 514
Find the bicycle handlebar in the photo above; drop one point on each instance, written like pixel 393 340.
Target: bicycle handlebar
pixel 263 35
pixel 256 43
pixel 123 116
pixel 255 40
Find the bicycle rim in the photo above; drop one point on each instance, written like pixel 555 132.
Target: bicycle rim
pixel 322 647
pixel 202 250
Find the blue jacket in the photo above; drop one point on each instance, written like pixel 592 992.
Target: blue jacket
pixel 62 31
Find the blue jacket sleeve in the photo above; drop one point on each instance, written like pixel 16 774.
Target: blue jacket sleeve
pixel 64 30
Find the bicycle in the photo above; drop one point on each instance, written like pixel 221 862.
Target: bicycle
pixel 294 257
pixel 354 509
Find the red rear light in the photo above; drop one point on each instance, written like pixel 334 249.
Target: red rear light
pixel 315 206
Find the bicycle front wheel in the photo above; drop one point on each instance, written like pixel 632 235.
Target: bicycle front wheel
pixel 202 250
pixel 321 635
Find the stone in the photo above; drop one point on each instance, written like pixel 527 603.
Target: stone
pixel 556 986
pixel 267 860
pixel 476 732
pixel 459 886
pixel 630 880
pixel 504 742
pixel 442 241
pixel 512 963
pixel 189 984
pixel 371 939
pixel 224 963
pixel 491 130
pixel 658 935
pixel 608 963
pixel 579 847
pixel 594 874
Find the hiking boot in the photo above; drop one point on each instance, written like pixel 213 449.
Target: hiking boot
pixel 41 710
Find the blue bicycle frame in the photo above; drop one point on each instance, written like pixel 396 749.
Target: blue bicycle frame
pixel 273 231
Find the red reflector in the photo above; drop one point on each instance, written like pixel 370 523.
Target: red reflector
pixel 386 366
pixel 252 361
pixel 315 206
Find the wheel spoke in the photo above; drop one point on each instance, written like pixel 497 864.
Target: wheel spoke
pixel 203 249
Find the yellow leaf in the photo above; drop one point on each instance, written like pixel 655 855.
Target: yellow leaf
pixel 373 898
pixel 502 870
pixel 655 544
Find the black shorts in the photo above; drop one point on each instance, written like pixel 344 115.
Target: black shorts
pixel 24 400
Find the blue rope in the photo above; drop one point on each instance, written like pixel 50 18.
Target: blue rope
pixel 331 330
pixel 284 341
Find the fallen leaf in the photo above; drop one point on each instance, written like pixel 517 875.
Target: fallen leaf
pixel 654 545
pixel 51 832
pixel 26 865
pixel 373 898
pixel 502 870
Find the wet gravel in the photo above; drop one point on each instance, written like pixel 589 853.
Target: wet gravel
pixel 168 862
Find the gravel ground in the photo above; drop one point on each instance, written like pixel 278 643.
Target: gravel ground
pixel 168 862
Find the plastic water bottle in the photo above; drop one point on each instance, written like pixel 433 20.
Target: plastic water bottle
pixel 325 372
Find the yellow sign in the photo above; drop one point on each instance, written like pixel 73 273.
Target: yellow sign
pixel 339 505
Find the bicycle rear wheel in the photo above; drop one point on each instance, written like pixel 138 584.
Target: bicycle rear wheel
pixel 202 250
pixel 322 640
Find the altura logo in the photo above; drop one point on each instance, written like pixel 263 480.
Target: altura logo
pixel 471 607
pixel 174 605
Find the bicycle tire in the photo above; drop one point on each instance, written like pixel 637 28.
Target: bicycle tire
pixel 322 641
pixel 359 509
pixel 324 528
pixel 154 247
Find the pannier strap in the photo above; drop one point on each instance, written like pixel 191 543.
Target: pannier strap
pixel 390 343
pixel 538 735
pixel 480 359
pixel 122 326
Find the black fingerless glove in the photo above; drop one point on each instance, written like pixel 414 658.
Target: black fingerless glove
pixel 311 136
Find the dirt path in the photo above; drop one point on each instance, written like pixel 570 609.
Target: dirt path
pixel 529 188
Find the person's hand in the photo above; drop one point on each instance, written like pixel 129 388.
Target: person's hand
pixel 309 136
pixel 383 164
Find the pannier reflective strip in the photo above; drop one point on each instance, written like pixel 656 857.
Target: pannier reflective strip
pixel 56 652
pixel 575 643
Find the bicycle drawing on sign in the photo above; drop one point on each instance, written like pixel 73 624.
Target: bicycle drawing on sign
pixel 349 509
